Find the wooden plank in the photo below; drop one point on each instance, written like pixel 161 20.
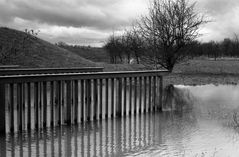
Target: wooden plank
pixel 77 76
pixel 125 96
pixel 2 110
pixel 68 102
pixel 106 97
pixel 11 96
pixel 112 97
pixel 76 102
pixel 44 104
pixel 25 71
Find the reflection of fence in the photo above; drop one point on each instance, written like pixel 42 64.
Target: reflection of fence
pixel 31 71
pixel 116 137
pixel 73 98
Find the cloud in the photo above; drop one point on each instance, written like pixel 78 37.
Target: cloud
pixel 224 15
pixel 102 14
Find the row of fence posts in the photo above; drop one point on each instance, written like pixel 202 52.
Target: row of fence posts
pixel 74 101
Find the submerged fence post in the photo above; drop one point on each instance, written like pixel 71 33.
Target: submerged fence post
pixel 2 109
pixel 68 102
pixel 119 103
pixel 160 107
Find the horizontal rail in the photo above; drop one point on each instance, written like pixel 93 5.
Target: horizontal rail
pixel 78 76
pixel 31 71
pixel 9 66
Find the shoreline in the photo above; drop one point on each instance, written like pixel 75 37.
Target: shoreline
pixel 200 79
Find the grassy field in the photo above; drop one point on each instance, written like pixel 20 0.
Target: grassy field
pixel 205 71
pixel 94 54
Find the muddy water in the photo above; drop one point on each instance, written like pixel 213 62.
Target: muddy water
pixel 197 121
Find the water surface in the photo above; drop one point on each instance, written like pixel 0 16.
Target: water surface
pixel 197 121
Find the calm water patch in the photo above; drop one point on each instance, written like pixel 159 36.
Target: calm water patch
pixel 197 121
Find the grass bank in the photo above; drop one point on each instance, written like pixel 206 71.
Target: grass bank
pixel 205 71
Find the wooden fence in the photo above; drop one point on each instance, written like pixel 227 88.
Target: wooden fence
pixel 38 101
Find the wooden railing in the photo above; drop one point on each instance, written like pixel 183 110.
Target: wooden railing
pixel 38 101
pixel 31 71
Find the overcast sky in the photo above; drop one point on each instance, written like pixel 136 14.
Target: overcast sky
pixel 90 22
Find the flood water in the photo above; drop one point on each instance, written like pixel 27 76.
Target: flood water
pixel 197 121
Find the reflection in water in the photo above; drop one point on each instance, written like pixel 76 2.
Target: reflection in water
pixel 177 98
pixel 197 126
pixel 115 137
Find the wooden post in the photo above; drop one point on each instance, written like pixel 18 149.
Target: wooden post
pixel 135 95
pixel 76 101
pixel 161 93
pixel 145 94
pixel 11 107
pixel 52 102
pixel 125 96
pixel 119 104
pixel 59 100
pixel 112 98
pixel 101 100
pixel 95 95
pixel 44 104
pixel 19 104
pixel 2 109
pixel 82 102
pixel 88 99
pixel 140 95
pixel 40 104
pixel 68 102
pixel 106 97
pixel 36 103
pixel 150 96
pixel 23 104
pixel 154 92
pixel 130 95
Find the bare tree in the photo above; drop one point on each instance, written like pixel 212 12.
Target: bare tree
pixel 169 27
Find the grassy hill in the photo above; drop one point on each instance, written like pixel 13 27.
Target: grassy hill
pixel 20 48
pixel 94 54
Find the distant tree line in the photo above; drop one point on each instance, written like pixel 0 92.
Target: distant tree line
pixel 226 48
